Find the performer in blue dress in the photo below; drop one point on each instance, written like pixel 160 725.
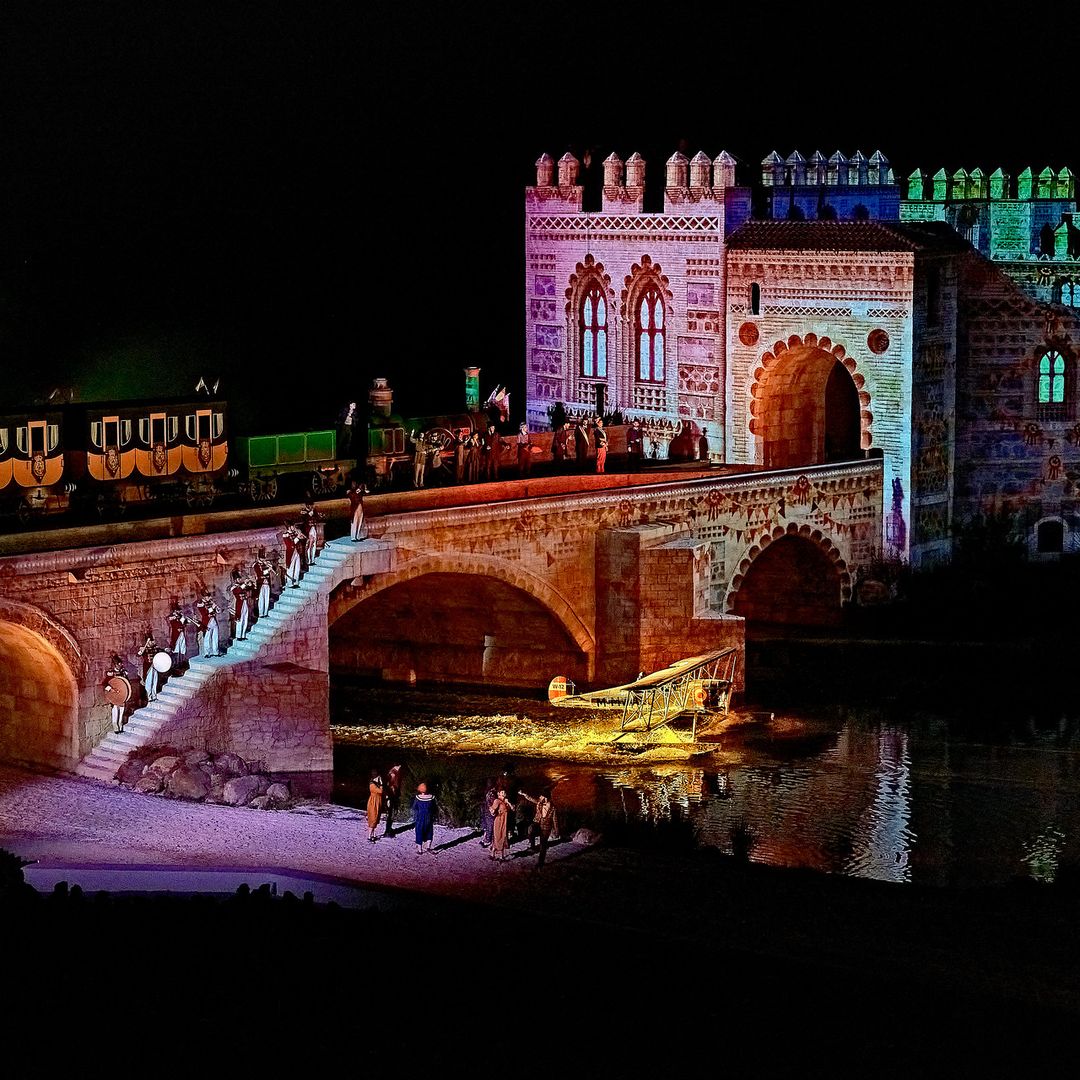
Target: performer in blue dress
pixel 424 818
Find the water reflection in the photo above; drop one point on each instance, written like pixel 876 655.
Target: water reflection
pixel 904 798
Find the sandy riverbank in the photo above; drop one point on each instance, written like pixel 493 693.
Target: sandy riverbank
pixel 990 953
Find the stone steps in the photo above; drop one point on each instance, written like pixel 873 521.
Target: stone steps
pixel 143 726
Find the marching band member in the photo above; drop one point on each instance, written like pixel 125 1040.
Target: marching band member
pixel 147 651
pixel 262 584
pixel 356 508
pixel 292 556
pixel 524 449
pixel 310 526
pixel 208 625
pixel 241 612
pixel 177 637
pixel 300 540
pixel 116 667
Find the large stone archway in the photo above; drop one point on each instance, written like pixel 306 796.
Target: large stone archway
pixel 458 618
pixel 39 698
pixel 795 577
pixel 808 405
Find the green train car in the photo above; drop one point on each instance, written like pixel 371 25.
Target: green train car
pixel 293 464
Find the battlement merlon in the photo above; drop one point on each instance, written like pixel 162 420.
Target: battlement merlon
pixel 704 190
pixel 796 171
pixel 975 185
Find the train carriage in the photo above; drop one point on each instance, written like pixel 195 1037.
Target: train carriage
pixel 137 451
pixel 32 461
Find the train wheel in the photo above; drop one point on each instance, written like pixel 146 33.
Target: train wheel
pixel 271 489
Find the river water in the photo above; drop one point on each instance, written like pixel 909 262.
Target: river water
pixel 877 792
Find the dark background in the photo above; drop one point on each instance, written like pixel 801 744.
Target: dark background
pixel 296 198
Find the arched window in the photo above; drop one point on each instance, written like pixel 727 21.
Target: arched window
pixel 1070 294
pixel 755 298
pixel 1050 537
pixel 593 331
pixel 1046 241
pixel 1051 378
pixel 649 335
pixel 860 213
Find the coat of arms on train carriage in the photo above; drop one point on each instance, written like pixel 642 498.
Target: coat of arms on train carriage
pixel 112 460
pixel 204 453
pixel 37 466
pixel 159 457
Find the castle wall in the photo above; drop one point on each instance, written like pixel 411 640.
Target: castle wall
pixel 1016 459
pixel 859 308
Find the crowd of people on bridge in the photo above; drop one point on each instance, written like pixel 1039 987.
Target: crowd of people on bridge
pixel 579 444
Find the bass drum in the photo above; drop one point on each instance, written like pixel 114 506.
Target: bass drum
pixel 162 662
pixel 117 690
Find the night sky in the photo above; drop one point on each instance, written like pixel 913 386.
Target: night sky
pixel 321 193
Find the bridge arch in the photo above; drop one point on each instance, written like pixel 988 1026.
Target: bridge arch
pixel 531 623
pixel 40 663
pixel 808 404
pixel 795 575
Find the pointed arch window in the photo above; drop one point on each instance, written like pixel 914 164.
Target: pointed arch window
pixel 649 335
pixel 1051 378
pixel 593 330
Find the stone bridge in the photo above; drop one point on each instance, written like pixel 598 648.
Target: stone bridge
pixel 597 586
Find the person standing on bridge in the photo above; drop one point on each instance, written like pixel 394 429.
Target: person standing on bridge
pixel 559 446
pixel 177 620
pixel 601 444
pixel 208 625
pixel 581 445
pixel 420 456
pixel 635 444
pixel 472 458
pixel 491 448
pixel 461 454
pixel 356 511
pixel 524 450
pixel 148 650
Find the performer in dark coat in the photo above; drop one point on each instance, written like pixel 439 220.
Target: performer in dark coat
pixel 559 447
pixel 392 796
pixel 581 445
pixel 487 822
pixel 635 443
pixel 424 818
pixel 491 448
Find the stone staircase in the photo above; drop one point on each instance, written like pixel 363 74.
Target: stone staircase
pixel 144 726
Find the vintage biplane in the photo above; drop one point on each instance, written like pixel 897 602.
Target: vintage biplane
pixel 697 688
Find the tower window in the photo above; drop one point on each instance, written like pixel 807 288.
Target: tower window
pixel 649 333
pixel 755 299
pixel 1051 378
pixel 593 328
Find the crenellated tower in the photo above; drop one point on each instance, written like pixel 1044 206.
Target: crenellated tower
pixel 835 188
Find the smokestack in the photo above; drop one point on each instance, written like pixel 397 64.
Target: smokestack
pixel 472 389
pixel 380 397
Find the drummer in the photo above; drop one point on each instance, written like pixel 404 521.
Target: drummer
pixel 148 651
pixel 116 668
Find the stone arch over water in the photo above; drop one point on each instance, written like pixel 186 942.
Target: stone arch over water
pixel 460 618
pixel 795 577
